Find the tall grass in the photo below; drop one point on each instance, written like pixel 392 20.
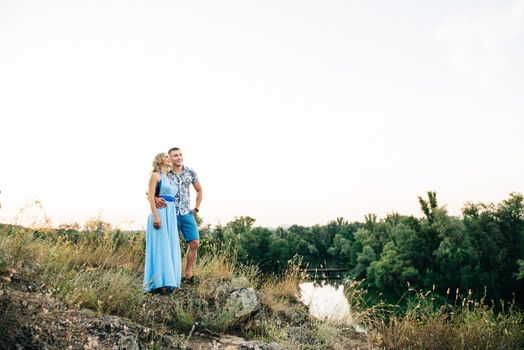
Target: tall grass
pixel 365 310
pixel 102 270
pixel 465 323
pixel 278 291
pixel 98 276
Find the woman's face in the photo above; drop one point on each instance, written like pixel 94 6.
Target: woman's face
pixel 166 161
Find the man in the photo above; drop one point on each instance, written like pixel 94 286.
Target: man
pixel 184 177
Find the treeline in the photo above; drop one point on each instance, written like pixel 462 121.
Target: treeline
pixel 482 250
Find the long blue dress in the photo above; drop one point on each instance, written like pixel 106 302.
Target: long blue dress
pixel 163 263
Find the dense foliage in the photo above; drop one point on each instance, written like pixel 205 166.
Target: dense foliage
pixel 483 250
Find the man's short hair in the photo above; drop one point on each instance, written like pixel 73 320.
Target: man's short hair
pixel 173 149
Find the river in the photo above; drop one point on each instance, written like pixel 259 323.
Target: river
pixel 326 301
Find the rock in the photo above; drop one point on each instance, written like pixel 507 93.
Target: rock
pixel 111 323
pixel 260 346
pixel 92 343
pixel 237 343
pixel 299 335
pixel 128 343
pixel 88 312
pixel 298 317
pixel 245 301
pixel 221 293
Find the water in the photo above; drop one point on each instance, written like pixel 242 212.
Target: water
pixel 326 301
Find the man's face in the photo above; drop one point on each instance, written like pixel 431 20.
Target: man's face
pixel 176 158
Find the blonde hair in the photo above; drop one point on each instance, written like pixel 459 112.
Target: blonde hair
pixel 158 161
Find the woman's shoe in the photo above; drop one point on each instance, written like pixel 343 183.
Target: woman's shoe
pixel 159 290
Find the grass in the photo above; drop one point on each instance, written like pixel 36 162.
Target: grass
pixel 102 270
pixel 278 292
pixel 464 324
pixel 365 309
pixel 96 277
pixel 217 264
pixel 109 291
pixel 428 321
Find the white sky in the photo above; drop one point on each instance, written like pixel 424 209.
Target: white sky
pixel 290 111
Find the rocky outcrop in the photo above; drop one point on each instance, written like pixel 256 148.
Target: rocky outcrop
pixel 32 318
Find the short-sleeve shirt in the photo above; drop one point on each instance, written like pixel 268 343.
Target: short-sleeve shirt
pixel 184 180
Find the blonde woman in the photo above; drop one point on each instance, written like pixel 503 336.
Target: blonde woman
pixel 163 264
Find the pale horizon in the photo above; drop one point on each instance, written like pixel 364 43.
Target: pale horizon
pixel 290 112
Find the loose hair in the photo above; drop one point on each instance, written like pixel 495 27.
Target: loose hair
pixel 157 162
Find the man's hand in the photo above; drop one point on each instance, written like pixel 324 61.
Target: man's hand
pixel 160 202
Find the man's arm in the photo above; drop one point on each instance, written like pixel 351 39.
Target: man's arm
pixel 198 189
pixel 159 202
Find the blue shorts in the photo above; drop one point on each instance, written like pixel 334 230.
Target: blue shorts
pixel 188 226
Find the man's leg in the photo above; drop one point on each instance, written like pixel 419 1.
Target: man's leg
pixel 189 229
pixel 192 250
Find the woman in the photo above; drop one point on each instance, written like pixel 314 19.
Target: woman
pixel 163 265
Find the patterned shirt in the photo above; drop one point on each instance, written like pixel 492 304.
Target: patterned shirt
pixel 183 181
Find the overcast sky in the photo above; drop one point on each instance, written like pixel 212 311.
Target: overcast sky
pixel 289 111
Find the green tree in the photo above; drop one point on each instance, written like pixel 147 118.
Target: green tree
pixel 396 266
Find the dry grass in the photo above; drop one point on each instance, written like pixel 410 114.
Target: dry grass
pixel 364 310
pixel 217 263
pixel 275 304
pixel 470 324
pixel 288 284
pixel 277 292
pixel 109 291
pixel 98 276
pixel 409 332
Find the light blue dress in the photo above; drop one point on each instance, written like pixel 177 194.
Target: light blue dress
pixel 163 263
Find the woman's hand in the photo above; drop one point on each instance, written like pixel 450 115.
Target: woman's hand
pixel 156 222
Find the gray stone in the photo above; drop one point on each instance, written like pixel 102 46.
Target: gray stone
pixel 245 301
pixel 298 317
pixel 238 343
pixel 128 342
pixel 221 294
pixel 258 345
pixel 299 335
pixel 88 312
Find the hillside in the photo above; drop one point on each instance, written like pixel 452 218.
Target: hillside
pixel 61 290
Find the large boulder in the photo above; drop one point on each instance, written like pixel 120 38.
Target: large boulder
pixel 244 301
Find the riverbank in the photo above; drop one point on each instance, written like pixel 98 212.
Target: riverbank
pixel 69 290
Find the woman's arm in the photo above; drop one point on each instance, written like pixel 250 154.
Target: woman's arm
pixel 153 181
